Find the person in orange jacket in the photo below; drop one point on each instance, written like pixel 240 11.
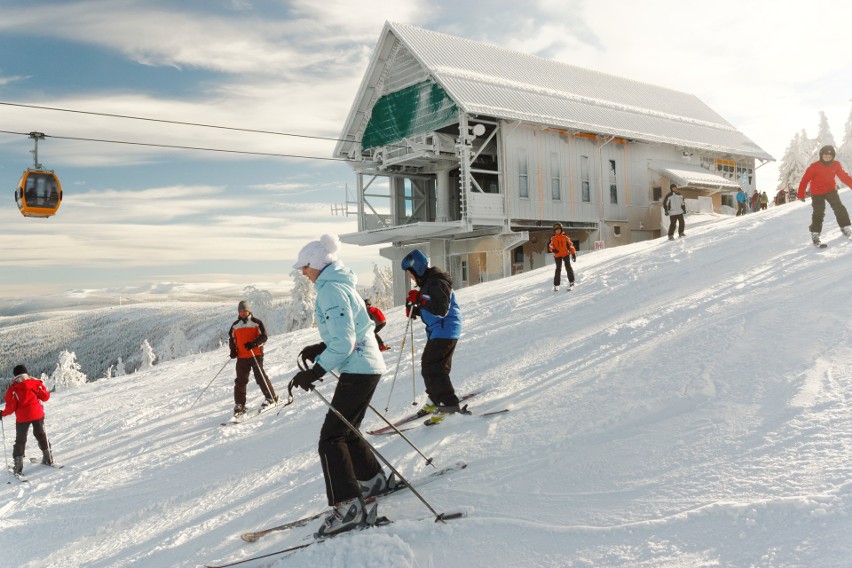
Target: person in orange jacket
pixel 246 338
pixel 821 177
pixel 562 247
pixel 24 398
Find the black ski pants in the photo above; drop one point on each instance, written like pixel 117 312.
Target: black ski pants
pixel 557 276
pixel 379 327
pixel 21 431
pixel 435 365
pixel 345 457
pixel 676 220
pixel 837 206
pixel 244 367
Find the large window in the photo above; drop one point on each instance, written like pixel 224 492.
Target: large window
pixel 523 174
pixel 555 186
pixel 613 183
pixel 585 180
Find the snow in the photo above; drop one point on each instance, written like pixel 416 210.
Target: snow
pixel 688 404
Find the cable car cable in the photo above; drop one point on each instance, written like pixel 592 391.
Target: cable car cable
pixel 37 107
pixel 178 147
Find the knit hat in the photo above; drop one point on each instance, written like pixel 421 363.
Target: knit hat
pixel 19 370
pixel 243 305
pixel 319 254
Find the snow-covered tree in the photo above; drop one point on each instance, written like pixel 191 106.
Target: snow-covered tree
pixel 120 369
pixel 795 162
pixel 108 373
pixel 844 153
pixel 261 305
pixel 382 290
pixel 67 374
pixel 174 345
pixel 300 314
pixel 823 138
pixel 148 356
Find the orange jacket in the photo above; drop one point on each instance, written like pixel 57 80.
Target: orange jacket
pixel 244 330
pixel 561 246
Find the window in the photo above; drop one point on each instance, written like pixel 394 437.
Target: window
pixel 518 255
pixel 656 193
pixel 523 174
pixel 585 180
pixel 555 188
pixel 613 183
pixel 464 270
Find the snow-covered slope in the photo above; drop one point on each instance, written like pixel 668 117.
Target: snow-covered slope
pixel 688 404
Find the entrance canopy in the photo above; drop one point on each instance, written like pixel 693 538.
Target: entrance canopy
pixel 414 231
pixel 688 175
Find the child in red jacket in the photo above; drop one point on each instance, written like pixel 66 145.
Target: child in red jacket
pixel 24 398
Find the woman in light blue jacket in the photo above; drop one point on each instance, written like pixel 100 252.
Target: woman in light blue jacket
pixel 349 346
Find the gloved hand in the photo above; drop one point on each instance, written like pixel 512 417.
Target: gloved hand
pixel 305 379
pixel 666 213
pixel 250 345
pixel 574 257
pixel 234 354
pixel 311 352
pixel 413 303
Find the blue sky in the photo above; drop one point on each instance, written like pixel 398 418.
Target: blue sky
pixel 135 214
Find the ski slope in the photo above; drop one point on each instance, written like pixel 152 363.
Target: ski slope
pixel 688 404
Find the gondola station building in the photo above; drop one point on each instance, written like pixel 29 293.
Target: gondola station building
pixel 471 152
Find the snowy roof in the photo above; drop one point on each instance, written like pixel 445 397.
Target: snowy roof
pixel 691 175
pixel 489 80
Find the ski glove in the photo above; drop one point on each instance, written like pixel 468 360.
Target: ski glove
pixel 250 345
pixel 305 379
pixel 234 354
pixel 413 303
pixel 311 352
pixel 574 257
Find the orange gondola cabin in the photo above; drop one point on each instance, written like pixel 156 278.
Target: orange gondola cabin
pixel 39 193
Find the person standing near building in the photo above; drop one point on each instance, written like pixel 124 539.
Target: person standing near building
pixel 562 247
pixel 351 471
pixel 674 206
pixel 435 304
pixel 246 338
pixel 741 202
pixel 764 201
pixel 24 398
pixel 821 177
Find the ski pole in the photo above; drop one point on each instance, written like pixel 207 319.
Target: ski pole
pixel 438 516
pixel 210 383
pixel 5 456
pixel 262 373
pixel 399 357
pixel 389 423
pixel 413 378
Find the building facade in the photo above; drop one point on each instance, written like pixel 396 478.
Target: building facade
pixel 471 152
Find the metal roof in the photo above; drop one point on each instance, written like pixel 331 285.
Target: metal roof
pixel 685 175
pixel 489 80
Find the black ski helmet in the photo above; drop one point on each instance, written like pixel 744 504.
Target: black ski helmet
pixel 557 226
pixel 827 149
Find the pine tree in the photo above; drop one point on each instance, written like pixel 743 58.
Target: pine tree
pixel 148 356
pixel 67 374
pixel 824 137
pixel 261 306
pixel 300 314
pixel 787 176
pixel 120 370
pixel 382 290
pixel 844 153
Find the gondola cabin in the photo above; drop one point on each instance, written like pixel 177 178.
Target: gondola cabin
pixel 39 193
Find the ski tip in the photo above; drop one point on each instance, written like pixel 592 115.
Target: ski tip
pixel 443 517
pixel 250 537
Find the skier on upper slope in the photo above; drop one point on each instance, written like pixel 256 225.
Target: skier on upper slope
pixel 562 247
pixel 821 177
pixel 246 338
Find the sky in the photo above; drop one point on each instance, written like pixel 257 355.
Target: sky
pixel 687 405
pixel 135 214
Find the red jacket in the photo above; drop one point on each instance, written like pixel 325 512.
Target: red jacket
pixel 821 177
pixel 243 331
pixel 561 246
pixel 375 314
pixel 24 398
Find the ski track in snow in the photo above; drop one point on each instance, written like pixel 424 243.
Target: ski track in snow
pixel 687 404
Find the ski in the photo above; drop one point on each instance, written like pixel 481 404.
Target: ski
pixel 19 476
pixel 820 245
pixel 53 465
pixel 255 536
pixel 467 413
pixel 413 417
pixel 248 415
pixel 381 521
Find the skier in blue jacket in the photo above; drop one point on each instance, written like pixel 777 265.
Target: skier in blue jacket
pixel 351 471
pixel 435 303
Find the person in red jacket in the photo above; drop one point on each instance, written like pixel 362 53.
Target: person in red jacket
pixel 246 338
pixel 24 398
pixel 821 177
pixel 561 247
pixel 379 319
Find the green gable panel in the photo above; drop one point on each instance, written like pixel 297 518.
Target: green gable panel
pixel 420 108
